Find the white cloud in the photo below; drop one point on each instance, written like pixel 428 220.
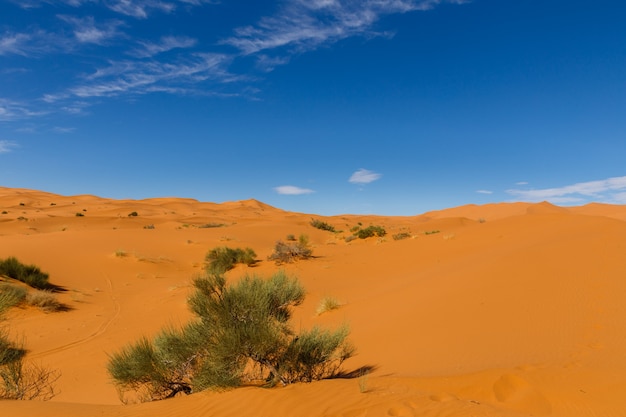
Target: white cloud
pixel 86 30
pixel 363 176
pixel 304 25
pixel 166 43
pixel 292 190
pixel 12 110
pixel 521 183
pixel 141 77
pixel 59 129
pixel 484 192
pixel 14 43
pixel 607 190
pixel 6 146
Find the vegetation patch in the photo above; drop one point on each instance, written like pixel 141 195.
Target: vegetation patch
pixel 28 274
pixel 133 214
pixel 327 304
pixel 223 258
pixel 432 232
pixel 11 295
pixel 287 252
pixel 401 236
pixel 210 225
pixel 318 224
pixel 370 231
pixel 242 334
pixel 46 301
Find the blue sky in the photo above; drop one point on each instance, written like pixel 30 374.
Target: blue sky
pixel 391 107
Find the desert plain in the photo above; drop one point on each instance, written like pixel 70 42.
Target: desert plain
pixel 509 309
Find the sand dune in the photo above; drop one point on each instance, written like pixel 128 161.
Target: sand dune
pixel 496 310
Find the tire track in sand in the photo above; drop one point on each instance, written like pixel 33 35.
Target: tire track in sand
pixel 100 330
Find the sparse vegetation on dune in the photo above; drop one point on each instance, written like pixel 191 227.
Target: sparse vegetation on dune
pixel 28 274
pixel 223 258
pixel 20 380
pixel 369 231
pixel 318 224
pixel 287 252
pixel 327 304
pixel 241 334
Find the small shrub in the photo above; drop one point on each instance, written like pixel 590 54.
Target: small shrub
pixel 292 251
pixel 431 232
pixel 350 238
pixel 28 274
pixel 291 238
pixel 11 295
pixel 22 218
pixel 370 231
pixel 121 253
pixel 401 235
pixel 149 226
pixel 223 258
pixel 327 304
pixel 79 214
pixel 5 212
pixel 45 300
pixel 21 381
pixel 318 224
pixel 210 225
pixel 133 214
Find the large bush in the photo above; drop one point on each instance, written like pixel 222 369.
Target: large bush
pixel 242 333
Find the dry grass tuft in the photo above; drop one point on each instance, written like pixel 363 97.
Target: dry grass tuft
pixel 327 304
pixel 46 301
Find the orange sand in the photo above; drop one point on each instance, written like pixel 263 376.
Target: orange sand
pixel 509 310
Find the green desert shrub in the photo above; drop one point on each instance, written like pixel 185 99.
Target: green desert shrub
pixel 223 258
pixel 241 334
pixel 318 224
pixel 401 235
pixel 11 295
pixel 29 274
pixel 287 252
pixel 133 214
pixel 20 380
pixel 370 231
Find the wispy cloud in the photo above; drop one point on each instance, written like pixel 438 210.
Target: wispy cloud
pixel 364 176
pixel 139 77
pixel 292 190
pixel 484 192
pixel 7 146
pixel 166 43
pixel 607 190
pixel 14 43
pixel 59 129
pixel 178 64
pixel 12 110
pixel 86 30
pixel 302 25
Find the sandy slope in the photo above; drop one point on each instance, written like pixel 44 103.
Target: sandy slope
pixel 507 310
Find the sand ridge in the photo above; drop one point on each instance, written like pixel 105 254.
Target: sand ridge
pixel 498 310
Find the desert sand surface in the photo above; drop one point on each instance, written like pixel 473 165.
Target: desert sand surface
pixel 496 310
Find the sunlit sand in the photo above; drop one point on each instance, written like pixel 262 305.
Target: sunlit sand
pixel 497 310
